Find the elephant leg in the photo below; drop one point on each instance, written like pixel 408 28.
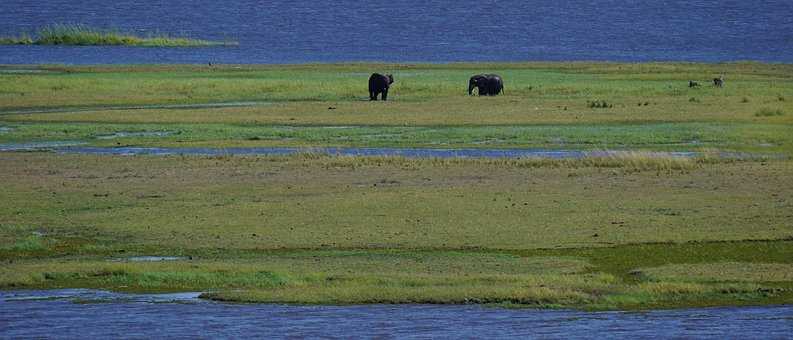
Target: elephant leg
pixel 385 94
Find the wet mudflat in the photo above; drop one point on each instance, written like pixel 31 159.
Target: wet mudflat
pixel 33 146
pixel 87 313
pixel 74 147
pixel 150 258
pixel 399 152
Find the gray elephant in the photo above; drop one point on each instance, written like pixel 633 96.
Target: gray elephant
pixel 487 84
pixel 378 84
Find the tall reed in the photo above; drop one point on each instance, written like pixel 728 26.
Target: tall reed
pixel 82 35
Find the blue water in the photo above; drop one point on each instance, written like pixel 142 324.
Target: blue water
pixel 54 314
pixel 298 31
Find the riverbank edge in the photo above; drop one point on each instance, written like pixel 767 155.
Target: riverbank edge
pixel 623 262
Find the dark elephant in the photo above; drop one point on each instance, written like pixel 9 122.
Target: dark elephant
pixel 487 84
pixel 378 84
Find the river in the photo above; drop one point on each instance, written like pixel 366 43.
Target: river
pixel 81 313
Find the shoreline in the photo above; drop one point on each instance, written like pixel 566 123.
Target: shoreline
pixel 99 295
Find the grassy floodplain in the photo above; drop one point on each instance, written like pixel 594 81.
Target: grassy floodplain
pixel 545 106
pixel 81 35
pixel 628 232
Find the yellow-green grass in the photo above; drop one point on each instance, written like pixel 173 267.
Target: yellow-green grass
pixel 724 271
pixel 545 106
pixel 394 276
pixel 422 94
pixel 305 202
pixel 337 230
pixel 82 35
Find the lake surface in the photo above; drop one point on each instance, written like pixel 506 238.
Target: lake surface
pixel 300 31
pixel 80 313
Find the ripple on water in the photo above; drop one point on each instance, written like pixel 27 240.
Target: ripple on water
pixel 75 313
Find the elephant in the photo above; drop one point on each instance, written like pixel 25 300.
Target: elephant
pixel 378 84
pixel 488 84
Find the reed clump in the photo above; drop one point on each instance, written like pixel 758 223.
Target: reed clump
pixel 82 35
pixel 767 112
pixel 629 160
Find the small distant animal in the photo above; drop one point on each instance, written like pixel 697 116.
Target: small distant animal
pixel 718 82
pixel 379 84
pixel 692 83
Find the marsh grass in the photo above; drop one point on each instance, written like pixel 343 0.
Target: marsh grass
pixel 626 160
pixel 767 112
pixel 22 39
pixel 30 244
pixel 81 35
pixel 393 277
pixel 760 137
pixel 186 201
pixel 723 272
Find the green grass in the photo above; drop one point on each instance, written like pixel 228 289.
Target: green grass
pixel 28 244
pixel 548 106
pixel 765 112
pixel 752 137
pixel 81 35
pixel 629 231
pixel 725 271
pixel 393 276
